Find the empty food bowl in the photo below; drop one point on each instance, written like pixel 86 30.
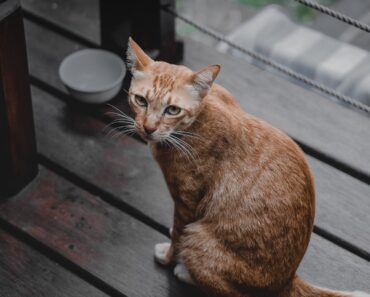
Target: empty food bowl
pixel 92 75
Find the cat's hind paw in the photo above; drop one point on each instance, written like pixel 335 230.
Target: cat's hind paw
pixel 161 253
pixel 182 273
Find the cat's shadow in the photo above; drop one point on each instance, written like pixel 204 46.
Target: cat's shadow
pixel 80 119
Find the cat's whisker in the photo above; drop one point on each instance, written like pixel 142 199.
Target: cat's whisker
pixel 116 108
pixel 123 132
pixel 170 141
pixel 121 121
pixel 179 148
pixel 187 146
pixel 118 135
pixel 183 142
pixel 126 124
pixel 167 143
pixel 183 146
pixel 113 131
pixel 187 134
pixel 118 115
pixel 118 121
pixel 118 128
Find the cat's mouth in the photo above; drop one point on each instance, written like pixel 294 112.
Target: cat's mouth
pixel 151 137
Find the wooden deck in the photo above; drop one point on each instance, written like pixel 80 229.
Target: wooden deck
pixel 87 225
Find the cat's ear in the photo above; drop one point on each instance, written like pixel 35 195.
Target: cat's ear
pixel 203 79
pixel 137 59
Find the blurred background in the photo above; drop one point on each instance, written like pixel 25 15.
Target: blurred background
pixel 330 52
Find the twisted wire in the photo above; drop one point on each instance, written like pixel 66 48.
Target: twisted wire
pixel 335 14
pixel 281 68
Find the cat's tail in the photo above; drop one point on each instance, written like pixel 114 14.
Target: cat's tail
pixel 301 288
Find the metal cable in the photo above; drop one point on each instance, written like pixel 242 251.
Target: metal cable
pixel 287 71
pixel 335 14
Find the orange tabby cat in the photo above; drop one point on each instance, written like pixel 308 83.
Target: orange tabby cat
pixel 243 192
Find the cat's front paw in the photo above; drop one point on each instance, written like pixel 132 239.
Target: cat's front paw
pixel 162 253
pixel 182 273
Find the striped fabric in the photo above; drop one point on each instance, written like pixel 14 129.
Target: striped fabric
pixel 333 63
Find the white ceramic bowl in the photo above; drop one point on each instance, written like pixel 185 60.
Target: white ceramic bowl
pixel 92 75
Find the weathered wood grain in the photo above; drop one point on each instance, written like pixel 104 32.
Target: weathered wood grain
pixel 337 192
pixel 122 167
pixel 328 127
pixel 96 236
pixel 326 265
pixel 119 249
pixel 25 272
pixel 73 140
pixel 80 16
pixel 46 51
pixel 343 201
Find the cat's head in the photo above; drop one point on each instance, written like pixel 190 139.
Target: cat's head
pixel 165 98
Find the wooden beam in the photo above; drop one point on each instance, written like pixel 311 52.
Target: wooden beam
pixel 18 162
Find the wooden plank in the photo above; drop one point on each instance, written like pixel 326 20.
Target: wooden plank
pixel 330 128
pixel 329 252
pixel 125 169
pixel 119 249
pixel 106 242
pixel 333 261
pixel 46 51
pixel 79 16
pixel 333 268
pixel 26 272
pixel 338 193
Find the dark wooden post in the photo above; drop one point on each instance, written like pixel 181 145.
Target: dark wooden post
pixel 18 159
pixel 146 22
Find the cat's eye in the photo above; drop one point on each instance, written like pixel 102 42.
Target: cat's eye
pixel 172 110
pixel 141 101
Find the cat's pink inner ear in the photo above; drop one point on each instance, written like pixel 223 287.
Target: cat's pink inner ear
pixel 137 59
pixel 204 78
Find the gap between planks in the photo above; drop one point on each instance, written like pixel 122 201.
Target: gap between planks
pixel 125 207
pixel 58 258
pixel 134 212
pixel 324 157
pixel 121 256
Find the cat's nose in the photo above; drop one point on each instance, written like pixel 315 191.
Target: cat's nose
pixel 149 129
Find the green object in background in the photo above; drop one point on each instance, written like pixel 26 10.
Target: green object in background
pixel 298 11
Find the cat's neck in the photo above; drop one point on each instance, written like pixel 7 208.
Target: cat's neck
pixel 220 114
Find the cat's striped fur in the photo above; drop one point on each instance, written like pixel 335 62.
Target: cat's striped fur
pixel 243 192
